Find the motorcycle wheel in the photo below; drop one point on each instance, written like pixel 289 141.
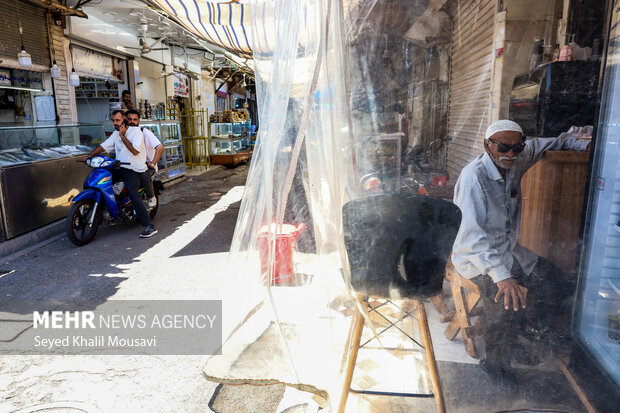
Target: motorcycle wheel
pixel 77 222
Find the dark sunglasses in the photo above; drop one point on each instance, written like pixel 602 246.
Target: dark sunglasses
pixel 503 148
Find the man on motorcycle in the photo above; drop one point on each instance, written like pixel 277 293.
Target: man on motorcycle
pixel 128 144
pixel 154 149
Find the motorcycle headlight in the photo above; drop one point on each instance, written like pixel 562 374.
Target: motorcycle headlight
pixel 95 161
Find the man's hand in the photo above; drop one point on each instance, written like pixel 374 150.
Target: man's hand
pixel 511 291
pixel 122 129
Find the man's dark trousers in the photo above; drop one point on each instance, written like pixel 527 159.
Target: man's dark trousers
pixel 146 178
pixel 549 296
pixel 132 183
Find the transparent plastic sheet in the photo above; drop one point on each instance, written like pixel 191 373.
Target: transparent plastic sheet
pixel 363 98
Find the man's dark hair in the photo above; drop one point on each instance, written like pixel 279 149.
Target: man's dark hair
pixel 132 112
pixel 118 111
pixel 125 92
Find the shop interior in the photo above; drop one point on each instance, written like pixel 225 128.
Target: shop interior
pixel 544 72
pixel 449 68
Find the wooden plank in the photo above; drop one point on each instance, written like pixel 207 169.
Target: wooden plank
pixel 439 304
pixel 453 329
pixel 471 299
pixel 430 358
pixel 567 156
pixel 580 393
pixel 553 192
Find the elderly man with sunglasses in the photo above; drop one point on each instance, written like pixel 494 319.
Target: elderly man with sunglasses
pixel 523 294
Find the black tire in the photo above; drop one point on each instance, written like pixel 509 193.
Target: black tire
pixel 77 222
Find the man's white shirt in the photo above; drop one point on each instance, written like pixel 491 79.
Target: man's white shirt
pixel 115 144
pixel 151 143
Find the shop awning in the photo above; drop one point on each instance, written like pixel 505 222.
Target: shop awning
pixel 222 23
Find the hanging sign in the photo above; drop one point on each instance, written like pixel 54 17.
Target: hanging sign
pixel 181 85
pixel 21 78
pixel 89 63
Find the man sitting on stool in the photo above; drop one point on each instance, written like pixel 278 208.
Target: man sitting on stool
pixel 488 192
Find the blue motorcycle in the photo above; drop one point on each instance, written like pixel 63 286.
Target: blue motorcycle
pixel 101 200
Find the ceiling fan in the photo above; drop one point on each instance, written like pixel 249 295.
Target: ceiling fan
pixel 145 47
pixel 142 33
pixel 176 71
pixel 185 71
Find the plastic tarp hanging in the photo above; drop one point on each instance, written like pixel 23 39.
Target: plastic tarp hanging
pixel 369 110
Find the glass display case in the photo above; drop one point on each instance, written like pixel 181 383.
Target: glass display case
pixel 230 150
pixel 26 144
pixel 41 158
pixel 229 143
pixel 236 128
pixel 171 164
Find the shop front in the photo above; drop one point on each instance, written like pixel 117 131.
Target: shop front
pixel 160 112
pixel 102 79
pixel 39 136
pixel 334 155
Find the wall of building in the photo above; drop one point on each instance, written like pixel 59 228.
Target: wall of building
pixel 153 86
pixel 207 93
pixel 470 81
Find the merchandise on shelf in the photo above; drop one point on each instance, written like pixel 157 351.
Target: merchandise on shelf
pixel 172 108
pixel 97 88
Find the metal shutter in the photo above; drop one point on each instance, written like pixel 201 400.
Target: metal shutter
pixel 35 34
pixel 470 81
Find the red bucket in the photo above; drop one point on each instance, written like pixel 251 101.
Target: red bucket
pixel 285 238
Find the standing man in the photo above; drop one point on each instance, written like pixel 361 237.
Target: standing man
pixel 488 192
pixel 126 102
pixel 128 144
pixel 154 149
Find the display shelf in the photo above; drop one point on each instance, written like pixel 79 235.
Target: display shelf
pixel 222 129
pixel 172 163
pixel 97 89
pixel 229 150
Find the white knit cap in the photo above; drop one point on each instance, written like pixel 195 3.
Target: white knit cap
pixel 502 126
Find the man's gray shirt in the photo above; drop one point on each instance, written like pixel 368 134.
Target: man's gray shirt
pixel 487 239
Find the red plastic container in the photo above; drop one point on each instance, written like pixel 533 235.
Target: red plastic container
pixel 439 180
pixel 285 244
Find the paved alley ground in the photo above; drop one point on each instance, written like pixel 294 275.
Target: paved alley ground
pixel 186 260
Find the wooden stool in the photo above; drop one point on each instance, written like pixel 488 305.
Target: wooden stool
pixel 401 242
pixel 466 297
pixel 353 346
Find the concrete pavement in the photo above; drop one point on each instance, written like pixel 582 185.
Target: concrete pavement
pixel 186 260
